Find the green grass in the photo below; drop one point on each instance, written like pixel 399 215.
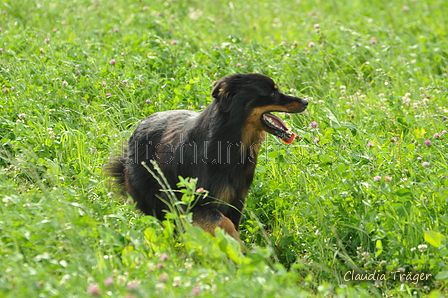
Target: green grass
pixel 375 72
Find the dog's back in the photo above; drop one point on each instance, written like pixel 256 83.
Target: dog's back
pixel 155 138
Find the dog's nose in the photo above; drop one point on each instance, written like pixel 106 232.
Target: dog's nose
pixel 305 102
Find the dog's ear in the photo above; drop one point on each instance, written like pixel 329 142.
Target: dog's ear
pixel 223 95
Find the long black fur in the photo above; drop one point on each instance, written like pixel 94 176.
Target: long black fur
pixel 218 146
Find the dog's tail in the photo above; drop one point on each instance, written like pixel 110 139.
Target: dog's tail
pixel 116 169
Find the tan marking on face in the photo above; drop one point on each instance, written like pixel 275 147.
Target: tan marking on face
pixel 275 87
pixel 223 88
pixel 253 134
pixel 290 107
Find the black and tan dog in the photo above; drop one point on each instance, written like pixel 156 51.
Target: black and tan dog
pixel 218 146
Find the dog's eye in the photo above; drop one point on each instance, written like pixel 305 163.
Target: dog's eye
pixel 274 93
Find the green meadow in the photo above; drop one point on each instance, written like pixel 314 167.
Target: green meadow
pixel 356 206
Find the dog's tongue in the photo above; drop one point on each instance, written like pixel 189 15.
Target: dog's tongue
pixel 290 140
pixel 279 123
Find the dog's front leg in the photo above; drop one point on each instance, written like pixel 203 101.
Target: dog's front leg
pixel 209 219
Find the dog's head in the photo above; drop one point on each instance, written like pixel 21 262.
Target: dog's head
pixel 257 95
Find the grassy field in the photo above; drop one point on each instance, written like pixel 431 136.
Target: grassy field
pixel 364 189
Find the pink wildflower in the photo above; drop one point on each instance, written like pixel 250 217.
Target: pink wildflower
pixel 109 281
pixel 196 290
pixel 93 290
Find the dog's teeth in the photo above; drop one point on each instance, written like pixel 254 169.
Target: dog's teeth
pixel 275 124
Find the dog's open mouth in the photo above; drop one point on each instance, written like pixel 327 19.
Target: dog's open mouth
pixel 274 125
